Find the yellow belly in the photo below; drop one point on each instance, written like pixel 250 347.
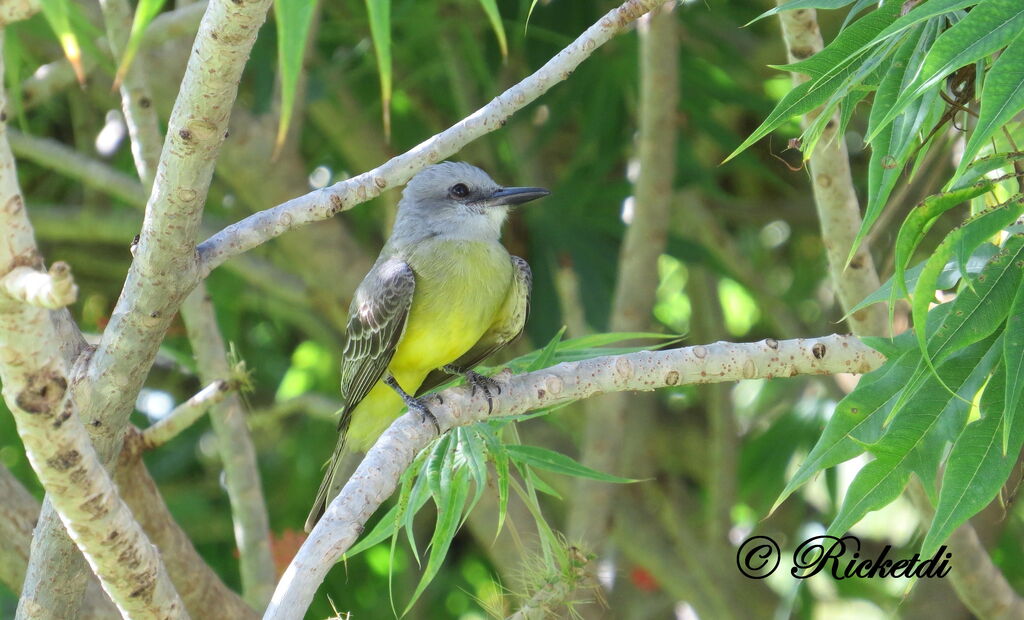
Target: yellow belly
pixel 460 288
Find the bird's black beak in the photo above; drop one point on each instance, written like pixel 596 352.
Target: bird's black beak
pixel 511 196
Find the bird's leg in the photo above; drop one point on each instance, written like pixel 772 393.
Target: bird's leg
pixel 413 403
pixel 475 381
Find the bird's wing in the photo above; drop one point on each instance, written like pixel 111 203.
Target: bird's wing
pixel 512 319
pixel 375 325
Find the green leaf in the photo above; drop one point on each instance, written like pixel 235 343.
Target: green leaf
pixel 973 232
pixel 845 48
pixel 976 468
pixel 883 479
pixel 542 458
pixel 793 5
pixel 922 12
pixel 145 11
pixel 891 149
pixel 1002 97
pixel 379 12
pixel 858 416
pixel 449 517
pixel 294 18
pixel 979 169
pixel 980 310
pixel 544 357
pixel 987 28
pixel 490 7
pixel 1013 355
pixel 390 523
pixel 952 272
pixel 813 93
pixel 58 16
pixel 917 224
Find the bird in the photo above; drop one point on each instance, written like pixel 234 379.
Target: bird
pixel 443 295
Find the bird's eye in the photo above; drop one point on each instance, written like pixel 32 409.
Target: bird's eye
pixel 459 190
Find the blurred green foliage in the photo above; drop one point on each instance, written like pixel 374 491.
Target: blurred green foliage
pixel 578 140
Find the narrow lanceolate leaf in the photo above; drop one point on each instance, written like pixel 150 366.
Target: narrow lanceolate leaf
pixel 972 233
pixel 145 11
pixel 379 12
pixel 987 28
pixel 845 48
pixel 57 14
pixel 294 18
pixel 978 170
pixel 891 149
pixel 917 224
pixel 813 93
pixel 491 9
pixel 1013 357
pixel 981 309
pixel 1002 97
pixel 882 480
pixel 792 5
pixel 858 417
pixel 449 517
pixel 542 458
pixel 977 467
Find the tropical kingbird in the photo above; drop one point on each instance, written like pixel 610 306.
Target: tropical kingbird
pixel 443 295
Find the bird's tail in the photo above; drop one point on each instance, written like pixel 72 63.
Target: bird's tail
pixel 332 482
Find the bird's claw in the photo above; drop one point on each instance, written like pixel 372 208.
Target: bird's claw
pixel 420 407
pixel 485 384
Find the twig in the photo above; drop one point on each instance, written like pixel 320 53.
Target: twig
pixel 136 100
pixel 834 194
pixel 185 415
pixel 378 474
pixel 237 453
pixel 322 204
pixel 51 290
pixel 16 10
pixel 64 160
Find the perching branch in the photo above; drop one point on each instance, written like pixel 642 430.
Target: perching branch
pixel 322 204
pixel 834 194
pixel 377 476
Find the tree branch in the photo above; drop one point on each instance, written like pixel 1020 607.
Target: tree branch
pixel 51 290
pixel 322 204
pixel 136 100
pixel 834 194
pixel 237 453
pixel 18 513
pixel 184 415
pixel 377 476
pixel 35 388
pixel 605 440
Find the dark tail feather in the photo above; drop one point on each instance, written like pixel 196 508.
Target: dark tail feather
pixel 332 482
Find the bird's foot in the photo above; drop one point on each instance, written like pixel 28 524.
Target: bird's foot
pixel 418 405
pixel 477 381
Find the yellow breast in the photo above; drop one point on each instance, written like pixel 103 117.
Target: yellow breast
pixel 460 287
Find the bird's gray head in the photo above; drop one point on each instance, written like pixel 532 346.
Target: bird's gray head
pixel 457 200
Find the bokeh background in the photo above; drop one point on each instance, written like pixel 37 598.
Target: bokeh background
pixel 744 261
